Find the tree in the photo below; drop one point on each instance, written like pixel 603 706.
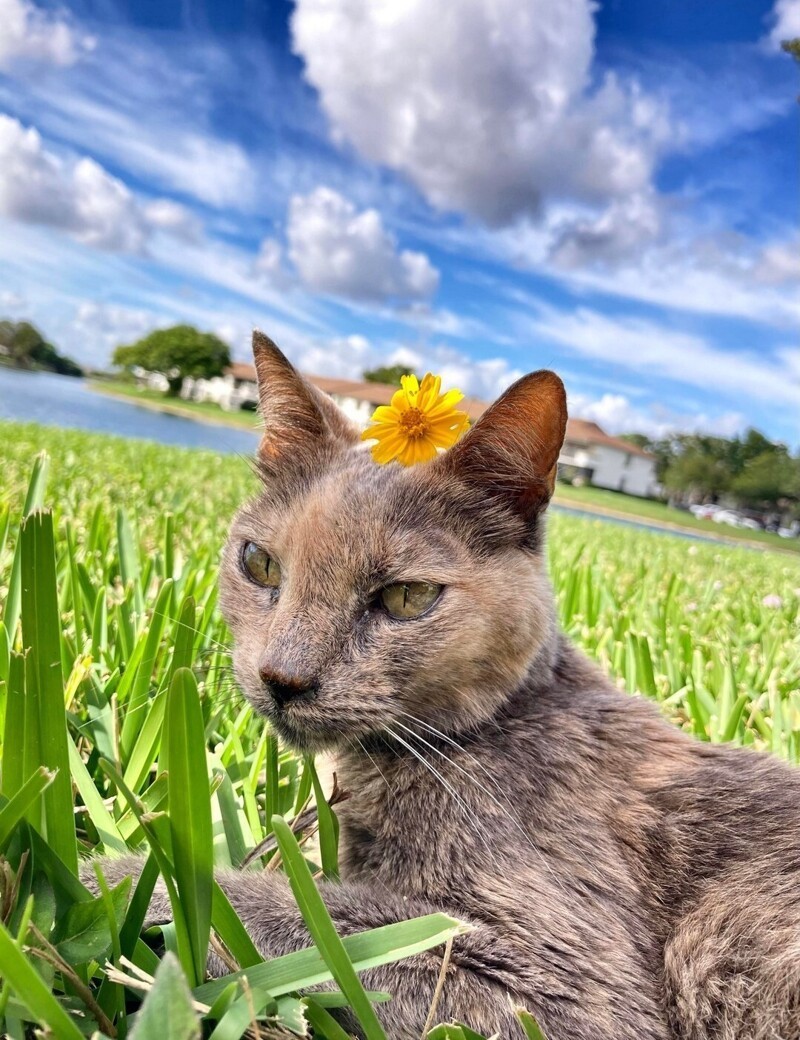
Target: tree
pixel 792 47
pixel 176 352
pixel 28 348
pixel 767 479
pixel 641 440
pixel 389 374
pixel 696 472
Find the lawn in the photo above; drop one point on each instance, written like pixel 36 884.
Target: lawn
pixel 111 589
pixel 599 499
pixel 200 410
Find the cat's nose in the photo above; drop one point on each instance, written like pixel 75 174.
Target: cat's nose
pixel 286 688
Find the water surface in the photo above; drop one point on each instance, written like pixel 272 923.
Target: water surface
pixel 53 400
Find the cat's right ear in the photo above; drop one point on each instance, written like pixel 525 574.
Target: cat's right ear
pixel 511 453
pixel 300 423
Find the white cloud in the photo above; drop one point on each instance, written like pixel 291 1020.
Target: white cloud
pixel 486 107
pixel 97 328
pixel 778 263
pixel 652 350
pixel 39 188
pixel 177 220
pixel 28 33
pixel 785 18
pixel 269 261
pixel 11 300
pixel 722 273
pixel 623 230
pixel 79 196
pixel 341 251
pixel 146 108
pixel 615 413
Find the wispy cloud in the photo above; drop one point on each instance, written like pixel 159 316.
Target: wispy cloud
pixel 646 347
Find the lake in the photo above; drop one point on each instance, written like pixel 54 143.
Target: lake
pixel 53 400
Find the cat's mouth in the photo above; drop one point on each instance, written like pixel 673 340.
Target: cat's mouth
pixel 308 727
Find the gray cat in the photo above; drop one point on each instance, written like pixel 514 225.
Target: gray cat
pixel 625 881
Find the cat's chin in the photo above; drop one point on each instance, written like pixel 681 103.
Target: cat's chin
pixel 309 740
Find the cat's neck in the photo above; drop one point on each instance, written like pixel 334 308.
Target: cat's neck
pixel 558 671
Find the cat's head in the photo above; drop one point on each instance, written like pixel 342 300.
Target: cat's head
pixel 361 596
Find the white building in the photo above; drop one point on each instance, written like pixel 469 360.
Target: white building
pixel 592 455
pixel 232 391
pixel 589 453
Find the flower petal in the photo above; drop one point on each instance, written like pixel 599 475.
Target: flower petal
pixel 385 413
pixel 410 385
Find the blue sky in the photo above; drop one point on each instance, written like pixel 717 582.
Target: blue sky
pixel 480 189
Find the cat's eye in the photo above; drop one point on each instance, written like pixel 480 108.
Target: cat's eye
pixel 409 599
pixel 260 566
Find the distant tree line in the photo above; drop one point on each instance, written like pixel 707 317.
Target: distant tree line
pixel 23 345
pixel 755 472
pixel 389 374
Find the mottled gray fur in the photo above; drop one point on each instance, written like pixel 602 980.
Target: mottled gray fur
pixel 625 882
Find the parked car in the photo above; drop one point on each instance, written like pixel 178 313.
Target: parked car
pixel 727 516
pixel 705 511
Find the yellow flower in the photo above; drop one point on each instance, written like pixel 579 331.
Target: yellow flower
pixel 419 420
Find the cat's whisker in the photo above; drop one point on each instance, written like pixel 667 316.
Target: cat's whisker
pixel 375 764
pixel 503 808
pixel 453 743
pixel 470 815
pixel 217 646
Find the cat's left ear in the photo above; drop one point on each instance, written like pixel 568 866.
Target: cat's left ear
pixel 299 421
pixel 511 453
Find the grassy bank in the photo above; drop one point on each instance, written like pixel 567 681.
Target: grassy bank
pixel 200 411
pixel 127 669
pixel 614 503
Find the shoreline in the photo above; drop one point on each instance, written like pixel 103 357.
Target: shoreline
pixel 568 505
pixel 181 411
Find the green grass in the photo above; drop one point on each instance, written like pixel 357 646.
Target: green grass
pixel 593 498
pixel 155 399
pixel 111 650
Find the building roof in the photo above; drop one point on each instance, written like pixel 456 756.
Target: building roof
pixel 579 431
pixel 582 431
pixel 241 370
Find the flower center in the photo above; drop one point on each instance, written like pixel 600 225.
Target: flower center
pixel 413 423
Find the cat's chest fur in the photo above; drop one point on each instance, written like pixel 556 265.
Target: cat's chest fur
pixel 400 824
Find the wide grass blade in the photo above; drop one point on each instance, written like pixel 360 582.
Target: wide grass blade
pixel 31 990
pixel 44 682
pixel 134 715
pixel 34 499
pixel 167 1012
pixel 328 829
pixel 15 808
pixel 533 1031
pixel 231 930
pixel 322 930
pixel 190 813
pixel 306 968
pixel 95 806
